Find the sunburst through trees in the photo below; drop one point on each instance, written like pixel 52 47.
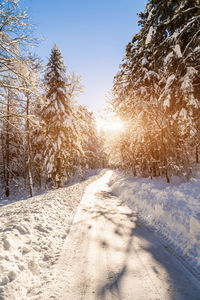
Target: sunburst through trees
pixel 157 91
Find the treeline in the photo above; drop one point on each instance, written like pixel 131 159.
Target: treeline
pixel 45 136
pixel 157 92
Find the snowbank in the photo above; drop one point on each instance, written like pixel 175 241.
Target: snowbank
pixel 18 191
pixel 32 233
pixel 173 210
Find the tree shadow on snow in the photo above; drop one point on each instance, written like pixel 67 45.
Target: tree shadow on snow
pixel 181 286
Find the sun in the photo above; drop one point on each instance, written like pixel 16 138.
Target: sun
pixel 110 124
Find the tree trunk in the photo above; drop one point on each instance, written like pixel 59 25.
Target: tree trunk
pixel 197 155
pixel 154 169
pixel 30 180
pixel 59 174
pixel 7 154
pixel 40 181
pixel 3 159
pixel 164 157
pixel 134 171
pixel 166 175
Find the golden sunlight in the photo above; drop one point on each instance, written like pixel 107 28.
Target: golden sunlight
pixel 109 124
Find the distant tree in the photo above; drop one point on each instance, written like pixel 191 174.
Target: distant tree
pixel 90 140
pixel 38 142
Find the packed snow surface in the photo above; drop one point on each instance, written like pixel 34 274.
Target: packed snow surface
pixel 172 210
pixel 108 255
pixel 32 233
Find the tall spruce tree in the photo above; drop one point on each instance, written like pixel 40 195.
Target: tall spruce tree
pixel 61 136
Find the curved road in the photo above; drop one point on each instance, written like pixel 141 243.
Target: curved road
pixel 108 255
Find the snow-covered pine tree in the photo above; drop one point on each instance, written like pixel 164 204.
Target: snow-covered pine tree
pixel 158 84
pixel 136 92
pixel 181 89
pixel 38 141
pixel 93 146
pixel 89 139
pixel 61 136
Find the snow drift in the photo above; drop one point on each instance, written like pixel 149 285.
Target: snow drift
pixel 172 210
pixel 32 233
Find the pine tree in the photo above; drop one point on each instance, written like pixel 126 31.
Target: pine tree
pixel 38 141
pixel 90 141
pixel 61 136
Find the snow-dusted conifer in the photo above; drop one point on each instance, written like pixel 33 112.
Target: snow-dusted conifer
pixel 89 139
pixel 61 143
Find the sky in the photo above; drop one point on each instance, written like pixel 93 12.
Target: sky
pixel 91 35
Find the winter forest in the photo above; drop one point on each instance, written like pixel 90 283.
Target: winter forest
pixel 100 204
pixel 47 138
pixel 157 92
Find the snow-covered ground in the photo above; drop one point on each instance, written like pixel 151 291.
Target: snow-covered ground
pixel 109 255
pixel 172 210
pixel 32 233
pixel 19 191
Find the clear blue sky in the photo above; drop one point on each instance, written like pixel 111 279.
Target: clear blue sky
pixel 91 34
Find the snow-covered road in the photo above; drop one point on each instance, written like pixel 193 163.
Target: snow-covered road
pixel 109 255
pixel 32 233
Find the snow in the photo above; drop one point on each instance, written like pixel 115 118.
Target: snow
pixel 150 15
pixel 183 113
pixel 175 35
pixel 177 50
pixel 193 102
pixel 187 80
pixel 172 210
pixel 144 61
pixel 149 35
pixel 62 108
pixel 168 57
pixel 32 233
pixel 111 256
pixel 166 102
pixel 62 90
pixel 59 142
pixel 197 49
pixel 169 81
